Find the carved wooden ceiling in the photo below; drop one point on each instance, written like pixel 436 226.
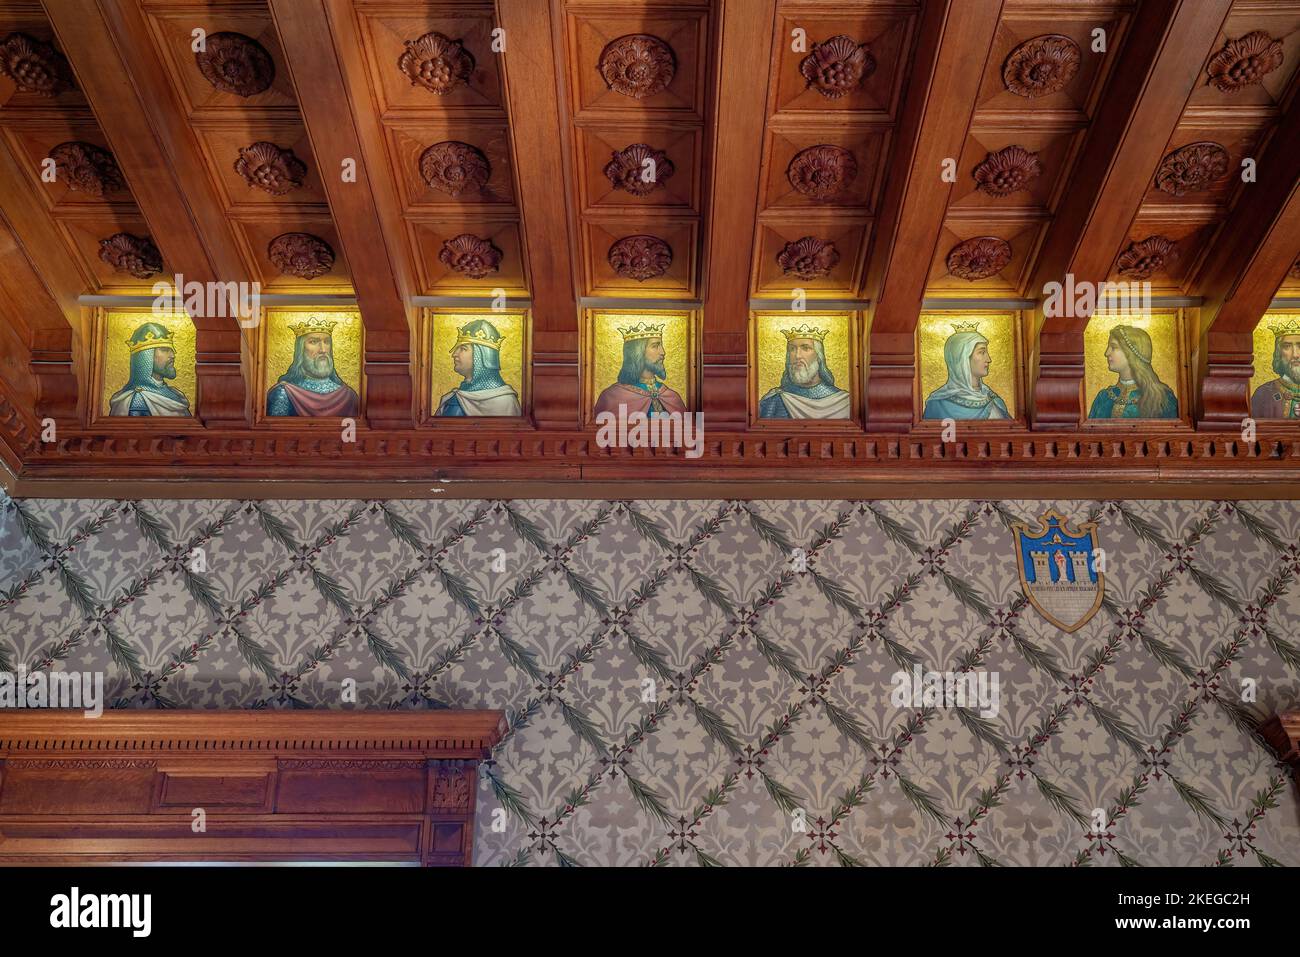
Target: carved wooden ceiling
pixel 715 156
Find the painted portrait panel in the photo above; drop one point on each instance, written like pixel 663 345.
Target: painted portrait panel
pixel 804 365
pixel 968 366
pixel 477 363
pixel 148 365
pixel 641 362
pixel 1275 386
pixel 1132 367
pixel 312 365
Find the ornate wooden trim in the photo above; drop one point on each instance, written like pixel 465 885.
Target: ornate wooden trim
pixel 273 785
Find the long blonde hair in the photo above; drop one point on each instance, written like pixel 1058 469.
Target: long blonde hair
pixel 1135 343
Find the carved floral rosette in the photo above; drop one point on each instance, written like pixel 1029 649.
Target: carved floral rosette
pixel 301 255
pixel 820 172
pixel 234 63
pixel 87 168
pixel 979 258
pixel 1007 171
pixel 1192 168
pixel 134 255
pixel 267 167
pixel 470 256
pixel 808 258
pixel 627 168
pixel 836 67
pixel 1041 66
pixel 1141 259
pixel 1244 61
pixel 640 257
pixel 35 67
pixel 436 62
pixel 454 168
pixel 637 65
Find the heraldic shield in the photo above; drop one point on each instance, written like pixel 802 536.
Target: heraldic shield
pixel 1058 570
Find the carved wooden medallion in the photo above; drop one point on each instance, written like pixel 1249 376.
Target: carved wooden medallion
pixel 822 171
pixel 86 168
pixel 640 257
pixel 234 63
pixel 1192 168
pixel 637 65
pixel 1041 66
pixel 300 254
pixel 267 167
pixel 837 66
pixel 808 258
pixel 979 258
pixel 454 167
pixel 436 62
pixel 1007 171
pixel 1244 61
pixel 34 66
pixel 470 256
pixel 134 255
pixel 1143 258
pixel 639 169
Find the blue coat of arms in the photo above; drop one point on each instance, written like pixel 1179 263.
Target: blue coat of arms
pixel 1058 569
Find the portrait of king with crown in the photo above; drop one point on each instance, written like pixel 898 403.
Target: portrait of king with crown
pixel 148 392
pixel 1279 398
pixel 807 389
pixel 965 394
pixel 311 386
pixel 476 358
pixel 642 380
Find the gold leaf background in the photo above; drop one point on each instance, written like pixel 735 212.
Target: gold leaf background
pixel 933 330
pixel 608 348
pixel 771 346
pixel 445 327
pixel 346 340
pixel 1162 327
pixel 120 325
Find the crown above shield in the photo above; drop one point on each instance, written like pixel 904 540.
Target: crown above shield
pixel 151 340
pixel 313 324
pixel 805 331
pixel 642 330
pixel 478 337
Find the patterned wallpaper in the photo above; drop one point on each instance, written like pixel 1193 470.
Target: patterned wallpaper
pixel 684 687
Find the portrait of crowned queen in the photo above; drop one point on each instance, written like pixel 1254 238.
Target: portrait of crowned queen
pixel 476 358
pixel 311 386
pixel 807 389
pixel 965 394
pixel 642 380
pixel 153 361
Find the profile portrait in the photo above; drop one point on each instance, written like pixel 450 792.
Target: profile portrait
pixel 149 368
pixel 1277 363
pixel 968 361
pixel 803 367
pixel 646 358
pixel 1136 389
pixel 310 360
pixel 477 364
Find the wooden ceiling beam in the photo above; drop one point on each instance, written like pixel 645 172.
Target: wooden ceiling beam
pixel 1160 66
pixel 952 49
pixel 1258 245
pixel 313 36
pixel 538 134
pixel 117 67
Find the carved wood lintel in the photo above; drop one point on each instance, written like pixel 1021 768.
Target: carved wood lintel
pixel 1225 390
pixel 890 376
pixel 1058 390
pixel 556 394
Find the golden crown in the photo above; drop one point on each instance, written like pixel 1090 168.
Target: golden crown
pixel 642 330
pixel 966 325
pixel 805 331
pixel 479 337
pixel 314 324
pixel 152 340
pixel 1291 327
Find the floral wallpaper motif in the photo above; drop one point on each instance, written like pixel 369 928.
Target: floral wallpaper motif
pixel 709 682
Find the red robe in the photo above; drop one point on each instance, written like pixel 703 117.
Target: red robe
pixel 638 400
pixel 340 402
